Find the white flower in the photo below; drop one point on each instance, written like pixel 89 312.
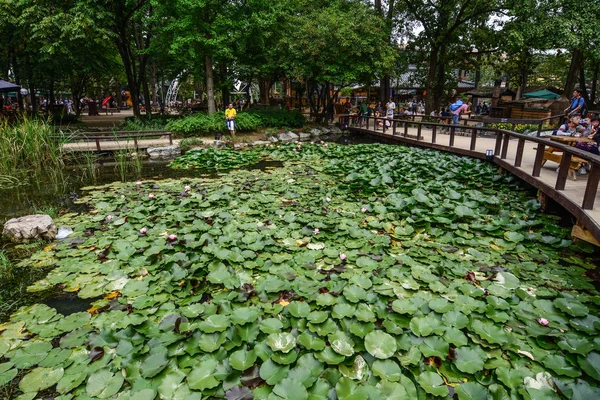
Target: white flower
pixel 327 199
pixel 139 183
pixel 187 188
pixel 363 209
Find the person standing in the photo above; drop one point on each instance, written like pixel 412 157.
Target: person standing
pixel 577 104
pixel 390 107
pixel 230 115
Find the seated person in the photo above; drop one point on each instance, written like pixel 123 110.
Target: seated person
pixel 572 128
pixel 595 135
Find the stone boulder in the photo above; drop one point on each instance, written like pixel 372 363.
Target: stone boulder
pixel 273 139
pixel 316 132
pixel 219 144
pixel 164 152
pixel 304 137
pixel 240 145
pixel 288 137
pixel 261 143
pixel 335 129
pixel 30 228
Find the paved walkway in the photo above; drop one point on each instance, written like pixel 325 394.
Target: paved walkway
pixel 574 189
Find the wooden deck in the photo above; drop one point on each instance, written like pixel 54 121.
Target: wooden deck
pixel 521 155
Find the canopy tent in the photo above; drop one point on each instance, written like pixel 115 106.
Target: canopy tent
pixel 542 94
pixel 6 87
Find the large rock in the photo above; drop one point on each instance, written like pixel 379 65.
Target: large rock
pixel 273 139
pixel 304 137
pixel 261 143
pixel 335 129
pixel 315 132
pixel 219 144
pixel 30 228
pixel 288 137
pixel 164 152
pixel 240 145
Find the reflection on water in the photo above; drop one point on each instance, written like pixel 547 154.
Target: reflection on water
pixel 56 191
pixel 69 303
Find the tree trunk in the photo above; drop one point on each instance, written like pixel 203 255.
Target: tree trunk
pixel 210 86
pixel 153 82
pixel 570 84
pixel 146 96
pixel 384 89
pixel 225 89
pixel 582 84
pixel 430 101
pixel 595 76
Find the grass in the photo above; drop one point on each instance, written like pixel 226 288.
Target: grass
pixel 30 145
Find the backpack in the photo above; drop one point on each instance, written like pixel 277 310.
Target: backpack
pixel 456 106
pixel 584 110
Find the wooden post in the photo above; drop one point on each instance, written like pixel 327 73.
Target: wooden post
pixel 433 134
pixel 393 127
pixel 405 129
pixel 505 147
pixel 498 142
pixel 419 132
pixel 452 130
pixel 519 156
pixel 539 157
pixel 473 139
pixel 98 144
pixel 591 189
pixel 563 171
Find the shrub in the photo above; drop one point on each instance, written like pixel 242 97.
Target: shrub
pixel 189 143
pixel 204 124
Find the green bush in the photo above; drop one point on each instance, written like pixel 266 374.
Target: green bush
pixel 156 122
pixel 204 124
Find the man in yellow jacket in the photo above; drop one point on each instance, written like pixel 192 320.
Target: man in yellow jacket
pixel 230 115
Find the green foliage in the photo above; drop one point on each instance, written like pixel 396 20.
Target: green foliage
pixel 365 271
pixel 205 124
pixel 189 143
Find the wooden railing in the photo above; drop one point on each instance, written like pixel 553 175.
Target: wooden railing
pixel 112 136
pixel 399 128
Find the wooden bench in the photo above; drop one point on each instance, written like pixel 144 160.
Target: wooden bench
pixel 556 156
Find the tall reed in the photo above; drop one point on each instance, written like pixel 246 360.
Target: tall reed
pixel 29 145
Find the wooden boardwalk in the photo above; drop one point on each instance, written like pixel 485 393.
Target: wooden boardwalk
pixel 580 197
pixel 116 145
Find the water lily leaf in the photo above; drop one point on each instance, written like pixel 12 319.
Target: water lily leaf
pixel 311 342
pixel 357 371
pixel 239 393
pixel 7 373
pixel 341 311
pixel 271 325
pixel 463 211
pixel 354 293
pixel 514 237
pixel 153 364
pixel 432 383
pixel 317 317
pixel 202 375
pixel 291 389
pixel 329 356
pixel 497 392
pixel 341 343
pixel 380 344
pixel 468 360
pixel 244 315
pixel 560 365
pixel 283 342
pixel 571 307
pixel 434 347
pixel 347 389
pixel 456 319
pixel 576 345
pixel 273 373
pixel 578 390
pixel 298 309
pixel 404 306
pixel 489 332
pixel 214 323
pixel 471 391
pixel 590 364
pixel 242 359
pixel 104 383
pixel 135 288
pixel 31 355
pixel 326 299
pixel 69 382
pixel 387 370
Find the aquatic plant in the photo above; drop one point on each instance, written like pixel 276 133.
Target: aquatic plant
pixel 442 286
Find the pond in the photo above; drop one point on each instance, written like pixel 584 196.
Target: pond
pixel 364 271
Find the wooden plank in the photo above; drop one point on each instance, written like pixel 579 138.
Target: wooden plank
pixel 505 146
pixel 581 233
pixel 498 142
pixel 452 132
pixel 434 134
